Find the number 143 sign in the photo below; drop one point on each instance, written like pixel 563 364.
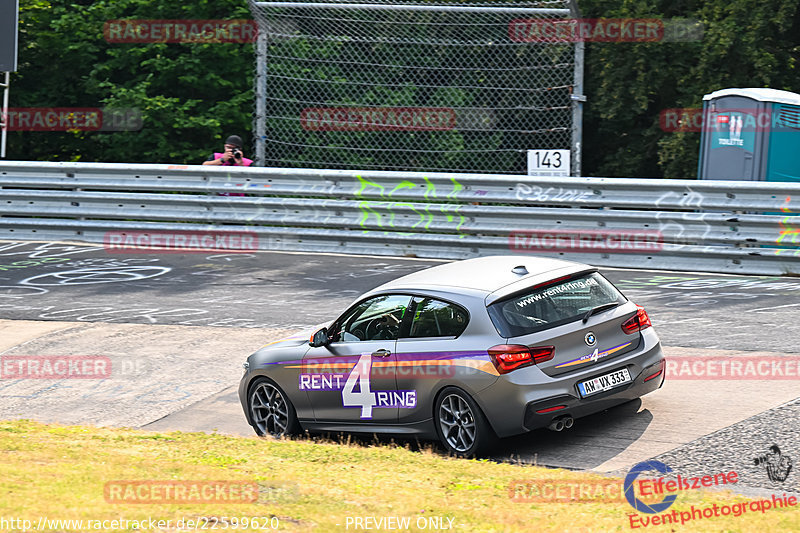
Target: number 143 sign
pixel 548 163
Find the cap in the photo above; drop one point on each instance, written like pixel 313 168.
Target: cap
pixel 235 140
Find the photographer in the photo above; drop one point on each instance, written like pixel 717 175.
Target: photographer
pixel 232 156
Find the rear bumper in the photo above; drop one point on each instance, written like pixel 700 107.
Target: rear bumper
pixel 513 404
pixel 577 407
pixel 243 384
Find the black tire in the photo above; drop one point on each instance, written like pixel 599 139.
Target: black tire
pixel 461 425
pixel 274 415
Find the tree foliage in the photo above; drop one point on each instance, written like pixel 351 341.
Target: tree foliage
pixel 192 95
pixel 745 44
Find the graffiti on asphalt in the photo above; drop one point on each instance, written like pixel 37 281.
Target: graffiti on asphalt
pixel 92 275
pixel 188 316
pixel 697 283
pixel 15 293
pixel 27 249
pixel 32 263
pixel 680 291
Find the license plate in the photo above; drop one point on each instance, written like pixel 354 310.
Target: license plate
pixel 604 383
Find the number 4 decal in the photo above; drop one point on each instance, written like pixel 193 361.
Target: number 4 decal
pixel 364 398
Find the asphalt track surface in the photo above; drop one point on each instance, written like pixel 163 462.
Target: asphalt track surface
pixel 84 283
pixel 177 326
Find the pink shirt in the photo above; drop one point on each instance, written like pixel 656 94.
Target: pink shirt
pixel 245 163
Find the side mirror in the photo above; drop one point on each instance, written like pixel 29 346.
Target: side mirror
pixel 319 338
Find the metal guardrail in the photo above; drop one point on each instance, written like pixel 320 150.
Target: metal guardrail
pixel 732 226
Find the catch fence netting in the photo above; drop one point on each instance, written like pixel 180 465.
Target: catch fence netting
pixel 417 86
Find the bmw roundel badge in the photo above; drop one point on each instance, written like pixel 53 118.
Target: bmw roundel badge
pixel 590 339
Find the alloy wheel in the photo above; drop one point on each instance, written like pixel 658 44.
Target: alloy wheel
pixel 457 423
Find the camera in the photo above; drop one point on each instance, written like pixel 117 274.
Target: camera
pixel 237 154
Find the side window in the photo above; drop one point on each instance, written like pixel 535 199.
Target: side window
pixel 378 318
pixel 435 318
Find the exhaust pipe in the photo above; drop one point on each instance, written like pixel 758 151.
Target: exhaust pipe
pixel 562 423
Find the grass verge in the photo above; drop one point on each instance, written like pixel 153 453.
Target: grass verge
pixel 63 473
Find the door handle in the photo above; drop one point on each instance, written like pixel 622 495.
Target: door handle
pixel 382 353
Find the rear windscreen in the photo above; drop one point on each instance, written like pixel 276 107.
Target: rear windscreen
pixel 552 305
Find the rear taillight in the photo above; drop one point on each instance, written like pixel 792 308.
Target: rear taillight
pixel 658 373
pixel 508 357
pixel 637 322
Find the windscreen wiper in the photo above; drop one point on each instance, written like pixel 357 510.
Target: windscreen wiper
pixel 599 309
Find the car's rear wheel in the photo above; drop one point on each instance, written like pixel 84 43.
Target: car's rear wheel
pixel 271 412
pixel 461 425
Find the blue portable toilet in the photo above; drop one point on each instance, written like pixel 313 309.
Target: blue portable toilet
pixel 750 134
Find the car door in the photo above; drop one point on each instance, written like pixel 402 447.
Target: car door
pixel 430 354
pixel 352 378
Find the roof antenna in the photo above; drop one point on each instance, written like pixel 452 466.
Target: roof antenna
pixel 520 269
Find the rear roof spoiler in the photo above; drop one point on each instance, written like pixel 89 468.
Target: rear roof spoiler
pixel 525 284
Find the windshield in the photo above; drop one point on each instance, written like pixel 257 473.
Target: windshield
pixel 552 305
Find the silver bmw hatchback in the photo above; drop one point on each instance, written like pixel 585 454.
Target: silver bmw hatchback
pixel 465 352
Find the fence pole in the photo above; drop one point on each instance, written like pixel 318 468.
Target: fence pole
pixel 578 98
pixel 3 136
pixel 260 120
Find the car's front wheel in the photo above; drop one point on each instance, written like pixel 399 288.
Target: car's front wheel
pixel 461 425
pixel 271 412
